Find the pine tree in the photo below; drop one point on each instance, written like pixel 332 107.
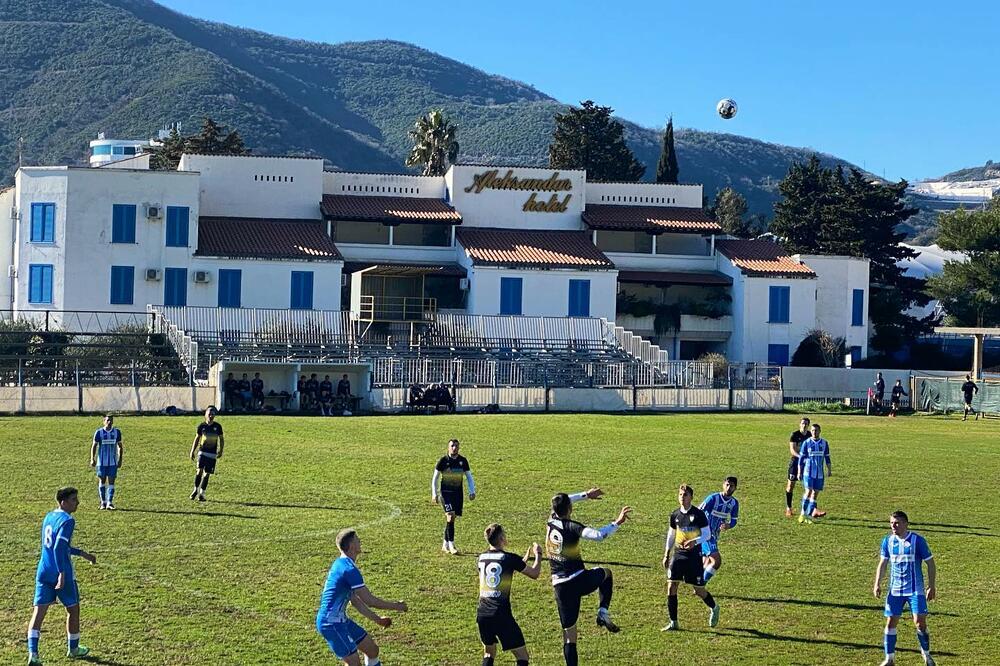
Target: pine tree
pixel 209 141
pixel 589 138
pixel 168 156
pixel 666 168
pixel 729 210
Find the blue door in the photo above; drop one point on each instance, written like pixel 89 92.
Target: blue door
pixel 510 296
pixel 175 286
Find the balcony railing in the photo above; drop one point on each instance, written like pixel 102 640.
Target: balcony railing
pixel 403 308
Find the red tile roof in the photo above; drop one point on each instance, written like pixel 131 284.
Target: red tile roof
pixel 260 238
pixel 675 277
pixel 388 210
pixel 674 219
pixel 531 248
pixel 760 258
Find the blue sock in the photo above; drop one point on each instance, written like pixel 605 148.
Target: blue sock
pixel 805 505
pixel 74 642
pixel 811 507
pixel 111 492
pixel 709 572
pixel 925 641
pixel 33 635
pixel 890 642
pixel 100 491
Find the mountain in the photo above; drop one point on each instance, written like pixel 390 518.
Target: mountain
pixel 73 68
pixel 986 172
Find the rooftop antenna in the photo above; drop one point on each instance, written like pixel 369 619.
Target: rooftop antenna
pixel 20 152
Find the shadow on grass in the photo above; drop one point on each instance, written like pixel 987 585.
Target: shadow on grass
pixel 819 604
pixel 266 505
pixel 207 514
pixel 629 565
pixel 914 526
pixel 763 635
pixel 91 659
pixel 865 525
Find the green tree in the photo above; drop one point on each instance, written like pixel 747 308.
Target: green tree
pixel 167 156
pixel 213 139
pixel 666 169
pixel 589 138
pixel 970 290
pixel 830 211
pixel 435 143
pixel 729 210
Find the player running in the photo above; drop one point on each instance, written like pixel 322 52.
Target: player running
pixel 345 584
pixel 106 459
pixel 682 556
pixel 896 398
pixel 906 552
pixel 722 511
pixel 54 578
pixel 494 616
pixel 969 389
pixel 208 443
pixel 571 580
pixel 451 469
pixel 814 453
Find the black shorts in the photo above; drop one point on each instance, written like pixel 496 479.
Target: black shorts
pixel 569 594
pixel 206 464
pixel 793 469
pixel 452 502
pixel 968 402
pixel 500 627
pixel 688 570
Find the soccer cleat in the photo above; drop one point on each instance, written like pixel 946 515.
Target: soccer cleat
pixel 110 507
pixel 194 493
pixel 34 660
pixel 201 498
pixel 713 617
pixel 818 514
pixel 802 518
pixel 79 653
pixel 452 549
pixel 604 620
pixel 788 513
pixel 673 625
pixel 102 507
pixel 888 662
pixel 929 660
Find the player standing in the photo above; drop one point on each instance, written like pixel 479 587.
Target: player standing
pixel 906 552
pixel 879 391
pixel 106 458
pixel 54 577
pixel 451 469
pixel 897 396
pixel 494 616
pixel 722 511
pixel 682 556
pixel 345 584
pixel 208 443
pixel 794 444
pixel 814 453
pixel 969 389
pixel 571 580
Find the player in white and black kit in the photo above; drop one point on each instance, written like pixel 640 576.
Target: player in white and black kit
pixel 682 556
pixel 494 616
pixel 451 470
pixel 208 444
pixel 571 580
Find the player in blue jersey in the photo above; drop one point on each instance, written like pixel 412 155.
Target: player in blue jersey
pixel 815 452
pixel 722 511
pixel 345 584
pixel 906 552
pixel 106 458
pixel 54 578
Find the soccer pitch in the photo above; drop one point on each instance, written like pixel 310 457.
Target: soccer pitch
pixel 237 580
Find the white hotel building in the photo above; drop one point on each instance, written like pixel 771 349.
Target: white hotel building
pixel 280 232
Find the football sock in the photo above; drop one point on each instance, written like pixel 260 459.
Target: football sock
pixel 33 636
pixel 204 483
pixel 74 642
pixel 709 572
pixel 672 607
pixel 605 590
pixel 810 507
pixel 100 492
pixel 372 662
pixel 709 600
pixel 890 643
pixel 788 499
pixel 569 654
pixel 449 532
pixel 487 661
pixel 111 492
pixel 805 504
pixel 197 481
pixel 521 662
pixel 924 639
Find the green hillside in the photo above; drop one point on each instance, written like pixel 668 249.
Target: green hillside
pixel 72 68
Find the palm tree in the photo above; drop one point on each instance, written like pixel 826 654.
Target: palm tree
pixel 434 143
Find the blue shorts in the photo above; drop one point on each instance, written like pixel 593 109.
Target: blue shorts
pixel 343 637
pixel 894 604
pixel 813 483
pixel 710 546
pixel 111 471
pixel 46 593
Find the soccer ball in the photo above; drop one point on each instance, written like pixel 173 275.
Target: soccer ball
pixel 726 108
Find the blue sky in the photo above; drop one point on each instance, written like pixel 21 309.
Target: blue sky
pixel 905 89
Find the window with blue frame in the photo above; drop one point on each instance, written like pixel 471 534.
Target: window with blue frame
pixel 40 283
pixel 177 226
pixel 123 223
pixel 778 305
pixel 230 282
pixel 777 354
pixel 43 223
pixel 175 286
pixel 510 295
pixel 579 298
pixel 122 285
pixel 858 308
pixel 302 290
pixel 855 355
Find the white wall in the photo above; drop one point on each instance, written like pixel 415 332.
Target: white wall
pixel 838 277
pixel 543 292
pixel 245 186
pixel 264 283
pixel 7 202
pixel 383 184
pixel 41 185
pixel 644 194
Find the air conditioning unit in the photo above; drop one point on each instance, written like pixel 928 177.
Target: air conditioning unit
pixel 153 211
pixel 463 284
pixel 153 275
pixel 202 277
pixel 12 272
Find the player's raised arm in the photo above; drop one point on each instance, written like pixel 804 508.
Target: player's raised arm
pixel 593 493
pixel 535 568
pixel 602 533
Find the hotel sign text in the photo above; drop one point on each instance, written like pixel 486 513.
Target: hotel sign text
pixel 492 180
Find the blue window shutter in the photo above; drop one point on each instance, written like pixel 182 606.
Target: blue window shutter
pixel 302 290
pixel 37 213
pixel 510 296
pixel 175 287
pixel 122 223
pixel 43 223
pixel 40 283
pixel 49 229
pixel 230 283
pixel 777 354
pixel 779 305
pixel 122 285
pixel 858 308
pixel 177 226
pixel 579 298
pixel 855 354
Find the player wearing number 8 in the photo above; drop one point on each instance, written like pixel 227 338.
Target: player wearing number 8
pixel 494 616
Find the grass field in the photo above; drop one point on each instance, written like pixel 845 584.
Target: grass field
pixel 237 580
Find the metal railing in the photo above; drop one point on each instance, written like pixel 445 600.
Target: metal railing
pixel 235 326
pixel 402 308
pixel 509 332
pixel 79 321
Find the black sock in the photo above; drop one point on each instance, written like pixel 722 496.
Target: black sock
pixel 204 482
pixel 605 590
pixel 672 607
pixel 197 480
pixel 487 661
pixel 569 654
pixel 788 498
pixel 521 662
pixel 446 526
pixel 709 601
pixel 449 531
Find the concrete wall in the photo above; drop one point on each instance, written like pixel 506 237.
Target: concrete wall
pixel 838 278
pixel 543 292
pixel 70 399
pixel 384 184
pixel 7 228
pixel 645 194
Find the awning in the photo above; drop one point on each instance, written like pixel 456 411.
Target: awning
pixel 707 278
pixel 531 248
pixel 651 219
pixel 388 210
pixel 403 270
pixel 261 238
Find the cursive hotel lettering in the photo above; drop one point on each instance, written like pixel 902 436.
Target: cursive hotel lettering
pixel 492 180
pixel 553 205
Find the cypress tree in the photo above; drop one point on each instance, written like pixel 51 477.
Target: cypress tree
pixel 666 169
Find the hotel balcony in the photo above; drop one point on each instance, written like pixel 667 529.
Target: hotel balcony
pixel 396 309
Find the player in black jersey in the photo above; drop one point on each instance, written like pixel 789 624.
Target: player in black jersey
pixel 451 469
pixel 682 556
pixel 571 580
pixel 494 616
pixel 208 443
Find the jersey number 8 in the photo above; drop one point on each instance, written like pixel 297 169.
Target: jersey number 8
pixel 490 575
pixel 48 536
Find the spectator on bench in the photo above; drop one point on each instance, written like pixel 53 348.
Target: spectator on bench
pixel 303 393
pixel 257 392
pixel 416 395
pixel 246 395
pixel 326 396
pixel 230 392
pixel 312 390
